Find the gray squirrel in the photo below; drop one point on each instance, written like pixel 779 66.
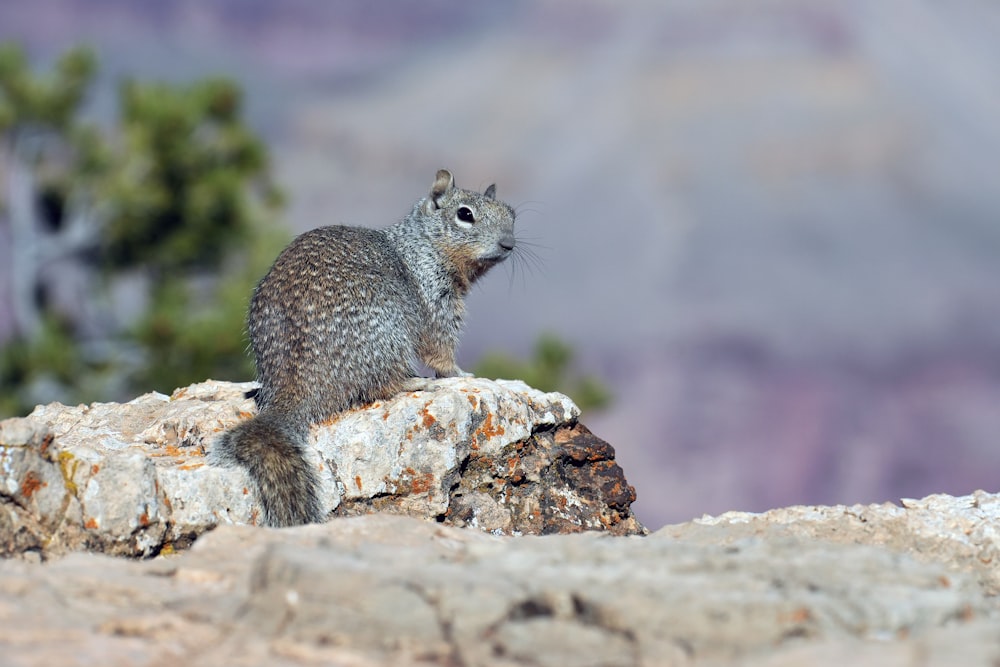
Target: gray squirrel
pixel 340 318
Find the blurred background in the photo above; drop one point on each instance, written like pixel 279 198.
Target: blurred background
pixel 766 239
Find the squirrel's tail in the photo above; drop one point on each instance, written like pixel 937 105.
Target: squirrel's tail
pixel 271 447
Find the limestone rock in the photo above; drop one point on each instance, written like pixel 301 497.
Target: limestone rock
pixel 393 590
pixel 962 532
pixel 137 478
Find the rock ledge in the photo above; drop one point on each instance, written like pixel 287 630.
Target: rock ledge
pixel 393 590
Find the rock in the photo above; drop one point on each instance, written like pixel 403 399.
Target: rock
pixel 393 590
pixel 910 584
pixel 961 532
pixel 137 478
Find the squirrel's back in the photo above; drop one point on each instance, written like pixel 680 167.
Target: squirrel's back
pixel 339 320
pixel 334 323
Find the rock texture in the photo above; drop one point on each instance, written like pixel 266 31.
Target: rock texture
pixel 907 585
pixel 137 478
pixel 962 533
pixel 802 586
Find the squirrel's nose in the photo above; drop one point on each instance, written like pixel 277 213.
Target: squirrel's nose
pixel 507 242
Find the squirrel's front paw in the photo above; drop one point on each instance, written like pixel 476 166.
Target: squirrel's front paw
pixel 416 384
pixel 455 372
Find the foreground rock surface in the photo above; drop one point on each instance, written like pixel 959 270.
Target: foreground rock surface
pixel 802 586
pixel 136 478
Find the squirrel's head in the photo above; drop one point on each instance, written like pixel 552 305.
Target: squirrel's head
pixel 475 231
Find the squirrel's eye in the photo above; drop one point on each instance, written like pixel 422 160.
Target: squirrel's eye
pixel 465 214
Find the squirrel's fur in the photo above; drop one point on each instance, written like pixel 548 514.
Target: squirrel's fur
pixel 339 320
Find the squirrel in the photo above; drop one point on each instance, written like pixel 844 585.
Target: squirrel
pixel 338 321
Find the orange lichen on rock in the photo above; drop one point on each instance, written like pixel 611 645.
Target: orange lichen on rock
pixel 46 441
pixel 488 430
pixel 31 484
pixel 91 524
pixel 427 419
pixel 176 452
pixel 422 483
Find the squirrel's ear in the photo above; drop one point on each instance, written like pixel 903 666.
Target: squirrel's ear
pixel 444 183
pixel 491 192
